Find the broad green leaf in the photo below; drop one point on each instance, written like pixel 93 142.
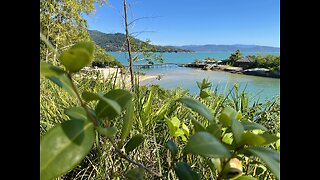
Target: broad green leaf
pixel 197 125
pixel 185 172
pixel 75 59
pixel 246 178
pixel 227 138
pixel 47 70
pixel 204 94
pixel 270 157
pixel 178 132
pixel 215 130
pixel 78 56
pixel 135 174
pixel 107 132
pixel 172 147
pixel 76 113
pixel 197 107
pixel 63 147
pixel 171 127
pixel 127 121
pixel 57 76
pixel 89 96
pixel 185 129
pixel 269 138
pixel 104 110
pixel 249 138
pixel 175 122
pixel 134 142
pixel 237 130
pixel 89 46
pixel 204 144
pixel 227 115
pixel 252 125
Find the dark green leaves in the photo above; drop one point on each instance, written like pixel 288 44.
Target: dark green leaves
pixel 111 106
pixel 107 110
pixel 76 113
pixel 227 115
pixel 134 142
pixel 252 126
pixel 57 76
pixel 270 157
pixel 246 178
pixel 197 107
pixel 64 146
pixel 135 174
pixel 127 121
pixel 184 172
pixel 237 130
pixel 204 144
pixel 172 147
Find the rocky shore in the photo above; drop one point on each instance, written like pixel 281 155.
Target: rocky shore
pixel 218 66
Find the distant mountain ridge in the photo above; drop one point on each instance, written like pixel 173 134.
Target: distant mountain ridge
pixel 116 42
pixel 230 48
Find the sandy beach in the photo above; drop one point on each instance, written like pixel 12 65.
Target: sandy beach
pixel 112 72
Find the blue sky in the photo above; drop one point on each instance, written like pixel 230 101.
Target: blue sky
pixel 185 22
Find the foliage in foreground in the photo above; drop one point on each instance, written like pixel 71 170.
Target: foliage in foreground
pixel 105 132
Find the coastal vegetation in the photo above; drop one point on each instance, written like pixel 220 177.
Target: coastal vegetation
pixel 95 128
pixel 114 43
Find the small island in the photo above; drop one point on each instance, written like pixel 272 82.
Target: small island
pixel 266 66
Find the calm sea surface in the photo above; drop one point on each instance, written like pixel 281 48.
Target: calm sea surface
pixel 174 76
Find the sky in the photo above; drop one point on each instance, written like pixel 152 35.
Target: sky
pixel 186 22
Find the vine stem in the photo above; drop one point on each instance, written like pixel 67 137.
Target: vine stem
pixel 93 119
pixel 130 160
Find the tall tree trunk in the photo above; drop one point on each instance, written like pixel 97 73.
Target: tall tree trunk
pixel 128 43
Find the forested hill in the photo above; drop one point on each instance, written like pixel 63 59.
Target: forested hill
pixel 116 42
pixel 230 48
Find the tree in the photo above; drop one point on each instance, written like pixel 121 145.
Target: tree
pixel 62 24
pixel 235 56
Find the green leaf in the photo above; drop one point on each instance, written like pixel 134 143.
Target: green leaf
pixel 57 76
pixel 270 157
pixel 175 122
pixel 135 174
pixel 127 121
pixel 204 94
pixel 134 142
pixel 89 46
pixel 215 130
pixel 111 105
pixel 171 127
pixel 78 56
pixel 204 144
pixel 185 172
pixel 249 138
pixel 198 107
pixel 104 110
pixel 227 115
pixel 197 125
pixel 246 178
pixel 172 147
pixel 252 125
pixel 47 70
pixel 89 96
pixel 227 138
pixel 237 130
pixel 269 138
pixel 107 132
pixel 76 113
pixel 178 132
pixel 185 129
pixel 63 147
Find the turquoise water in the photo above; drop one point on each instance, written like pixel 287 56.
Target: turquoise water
pixel 174 76
pixel 182 58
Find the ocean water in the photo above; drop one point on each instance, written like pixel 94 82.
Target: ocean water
pixel 174 76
